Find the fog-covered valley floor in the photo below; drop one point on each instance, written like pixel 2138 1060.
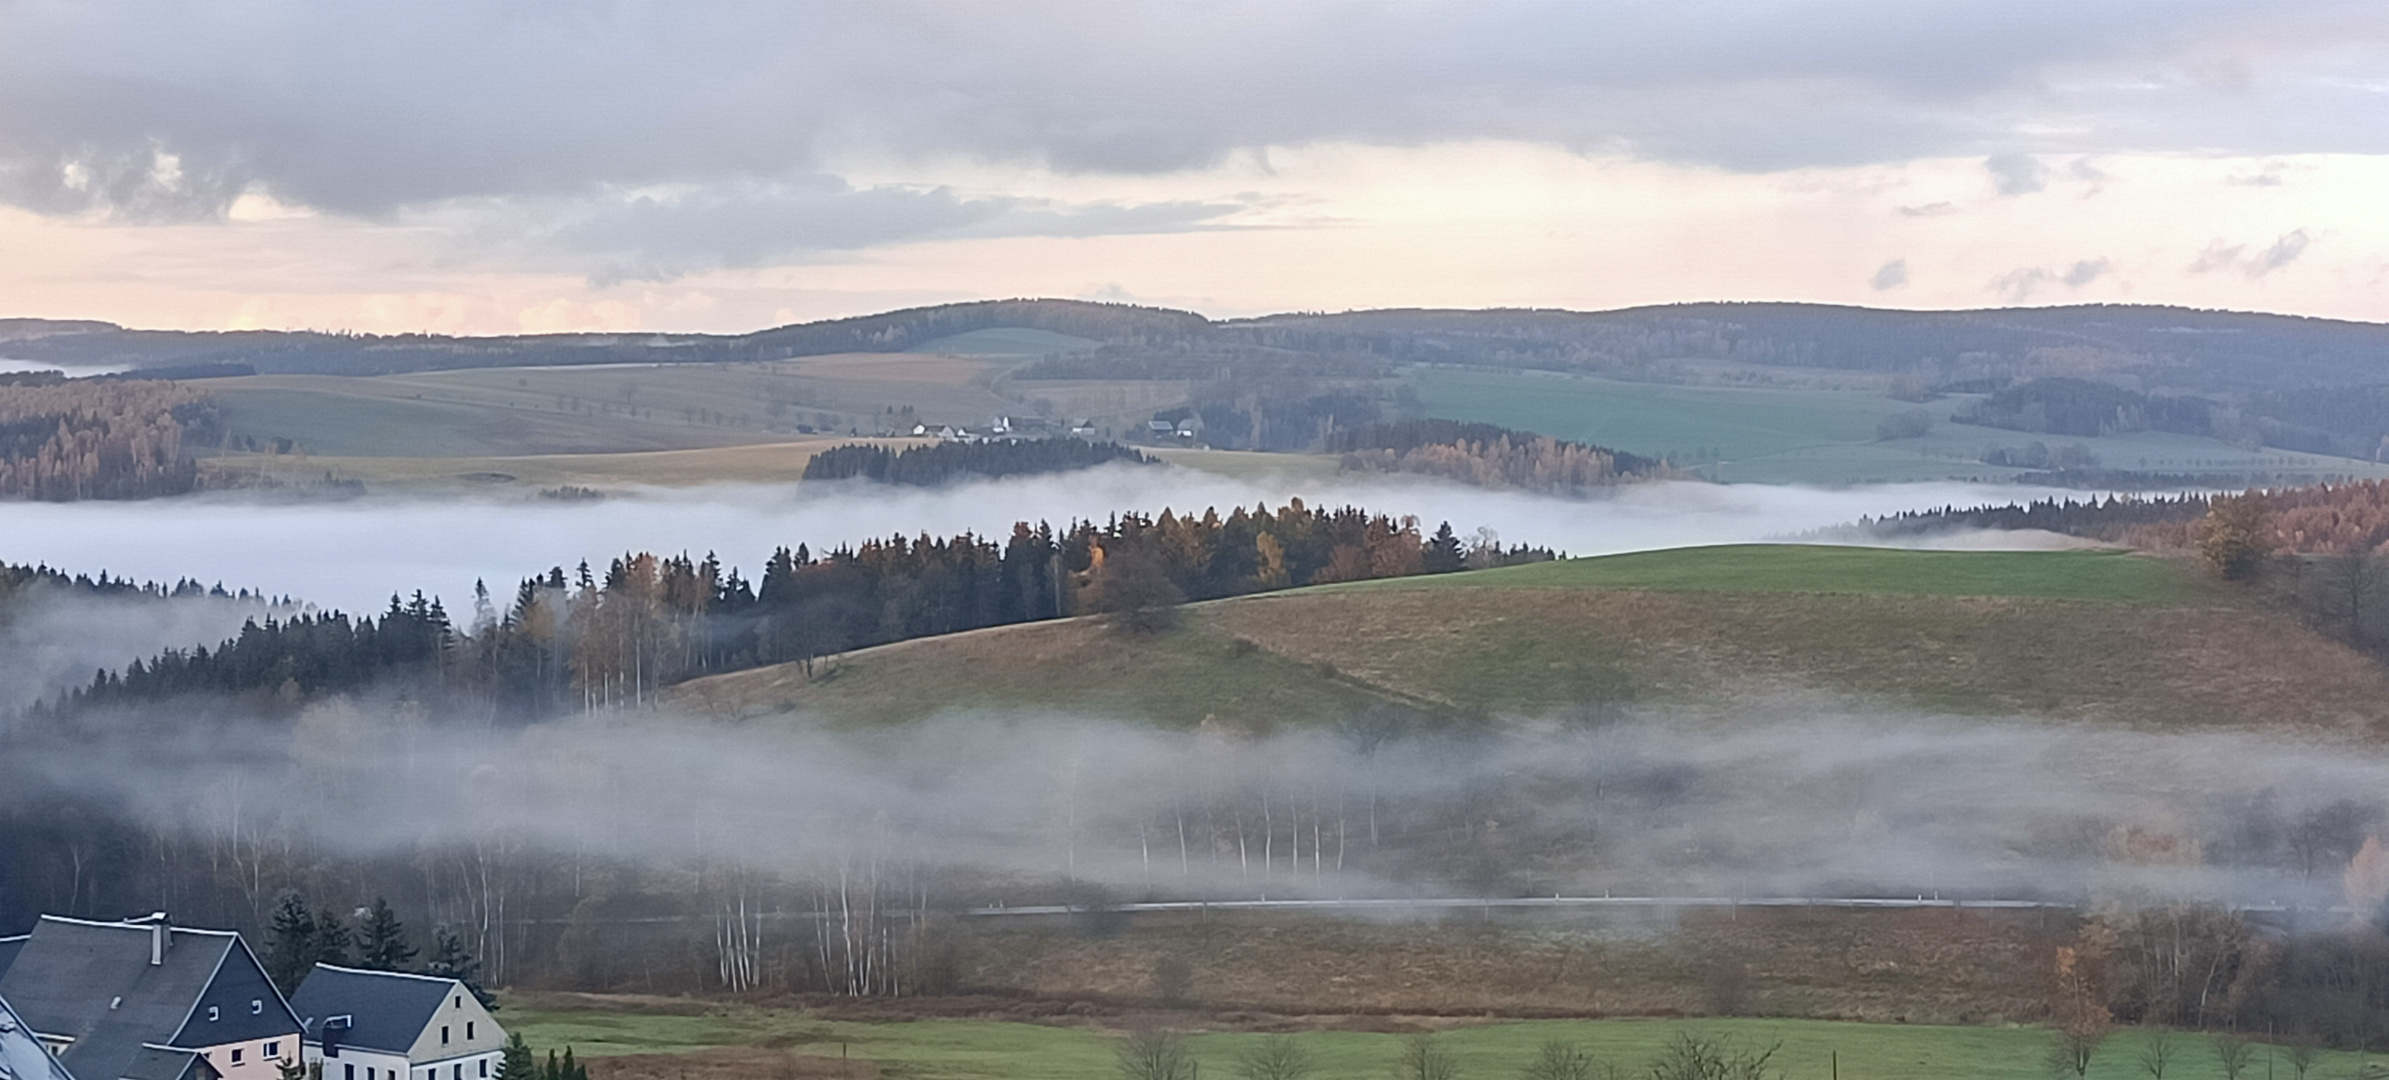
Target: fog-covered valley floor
pixel 353 555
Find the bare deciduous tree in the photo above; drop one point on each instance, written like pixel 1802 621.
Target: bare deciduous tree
pixel 1277 1057
pixel 1560 1060
pixel 2302 1053
pixel 1424 1058
pixel 1706 1057
pixel 2156 1052
pixel 2232 1052
pixel 1155 1054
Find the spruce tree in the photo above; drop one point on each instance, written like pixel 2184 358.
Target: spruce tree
pixel 381 944
pixel 516 1061
pixel 449 960
pixel 331 940
pixel 291 943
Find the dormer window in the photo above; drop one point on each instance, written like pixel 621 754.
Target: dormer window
pixel 256 1006
pixel 212 1013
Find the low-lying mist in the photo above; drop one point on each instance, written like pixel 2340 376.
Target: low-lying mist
pixel 53 639
pixel 355 554
pixel 1784 799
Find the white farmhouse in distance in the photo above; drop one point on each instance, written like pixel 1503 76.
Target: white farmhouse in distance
pixel 388 1025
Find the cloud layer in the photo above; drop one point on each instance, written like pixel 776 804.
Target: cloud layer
pixel 364 109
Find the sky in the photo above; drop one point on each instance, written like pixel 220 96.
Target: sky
pixel 551 165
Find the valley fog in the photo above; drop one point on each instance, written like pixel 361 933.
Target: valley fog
pixel 354 555
pixel 1788 798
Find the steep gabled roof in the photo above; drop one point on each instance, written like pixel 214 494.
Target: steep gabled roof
pixel 22 1057
pixel 387 1010
pixel 92 983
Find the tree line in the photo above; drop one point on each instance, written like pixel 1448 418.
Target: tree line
pixel 939 463
pixel 1487 455
pixel 582 641
pixel 62 440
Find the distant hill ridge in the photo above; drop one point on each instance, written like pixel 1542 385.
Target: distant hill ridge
pixel 2203 349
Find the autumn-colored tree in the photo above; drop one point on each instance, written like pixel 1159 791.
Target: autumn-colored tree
pixel 2236 535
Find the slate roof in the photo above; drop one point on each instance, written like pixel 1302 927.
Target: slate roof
pixel 8 950
pixel 168 1063
pixel 22 1057
pixel 92 982
pixel 388 1010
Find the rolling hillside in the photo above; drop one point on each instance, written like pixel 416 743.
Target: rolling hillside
pixel 2090 636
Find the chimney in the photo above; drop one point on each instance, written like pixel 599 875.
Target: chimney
pixel 160 931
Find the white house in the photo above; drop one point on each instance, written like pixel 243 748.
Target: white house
pixel 388 1025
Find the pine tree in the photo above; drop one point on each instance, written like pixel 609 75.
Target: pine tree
pixel 1445 553
pixel 449 960
pixel 381 944
pixel 292 948
pixel 331 940
pixel 516 1061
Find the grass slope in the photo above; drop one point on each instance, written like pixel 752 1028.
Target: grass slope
pixel 2066 635
pixel 688 1042
pixel 2072 575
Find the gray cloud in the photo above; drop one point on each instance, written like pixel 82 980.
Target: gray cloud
pixel 2221 256
pixel 2084 272
pixel 1890 275
pixel 2019 285
pixel 2017 174
pixel 1939 209
pixel 364 109
pixel 651 236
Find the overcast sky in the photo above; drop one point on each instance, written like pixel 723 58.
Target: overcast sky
pixel 552 164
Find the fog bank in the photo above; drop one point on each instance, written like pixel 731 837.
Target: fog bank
pixel 1784 799
pixel 355 554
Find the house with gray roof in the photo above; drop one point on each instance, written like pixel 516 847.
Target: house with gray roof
pixel 147 1000
pixel 391 1025
pixel 23 1057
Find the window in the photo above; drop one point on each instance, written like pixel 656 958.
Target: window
pixel 457 1002
pixel 348 1071
pixel 257 1008
pixel 485 1066
pixel 236 1055
pixel 443 1034
pixel 212 1013
pixel 459 1072
pixel 468 1031
pixel 273 1049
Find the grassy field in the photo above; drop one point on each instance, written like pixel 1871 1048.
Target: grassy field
pixel 1766 568
pixel 2072 635
pixel 776 462
pixel 646 407
pixel 1812 436
pixel 622 1044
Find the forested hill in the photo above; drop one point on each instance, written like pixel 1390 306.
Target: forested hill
pixel 279 351
pixel 2210 351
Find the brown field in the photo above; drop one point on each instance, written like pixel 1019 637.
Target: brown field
pixel 1937 966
